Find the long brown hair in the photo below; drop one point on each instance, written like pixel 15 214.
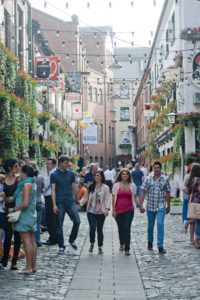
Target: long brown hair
pixel 194 172
pixel 119 175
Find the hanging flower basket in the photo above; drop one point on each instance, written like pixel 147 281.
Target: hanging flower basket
pixel 43 118
pixel 179 60
pixel 190 34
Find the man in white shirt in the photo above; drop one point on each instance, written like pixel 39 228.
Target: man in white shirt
pixel 108 177
pixel 144 170
pixel 50 216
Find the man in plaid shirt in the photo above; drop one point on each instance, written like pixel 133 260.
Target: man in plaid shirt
pixel 157 189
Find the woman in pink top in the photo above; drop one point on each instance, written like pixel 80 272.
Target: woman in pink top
pixel 124 195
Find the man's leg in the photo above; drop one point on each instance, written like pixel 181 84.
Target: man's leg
pixel 51 220
pixel 39 209
pixel 72 212
pixel 160 227
pixel 151 217
pixel 60 219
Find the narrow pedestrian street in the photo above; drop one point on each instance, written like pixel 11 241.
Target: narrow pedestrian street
pixel 81 275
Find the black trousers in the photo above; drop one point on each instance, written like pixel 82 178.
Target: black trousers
pixel 124 221
pixel 110 184
pixel 7 244
pixel 51 220
pixel 96 222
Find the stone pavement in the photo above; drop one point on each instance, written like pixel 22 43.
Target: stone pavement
pixel 54 273
pixel 110 276
pixel 174 275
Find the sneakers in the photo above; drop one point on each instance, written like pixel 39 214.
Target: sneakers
pixel 150 246
pixel 162 250
pixel 61 250
pixel 73 244
pixel 2 267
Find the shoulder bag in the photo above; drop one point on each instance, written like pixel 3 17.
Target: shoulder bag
pixel 193 208
pixel 14 216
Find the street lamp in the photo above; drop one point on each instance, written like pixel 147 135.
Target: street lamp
pixel 115 66
pixel 171 117
pixel 131 129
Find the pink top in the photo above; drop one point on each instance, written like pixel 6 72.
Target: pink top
pixel 124 201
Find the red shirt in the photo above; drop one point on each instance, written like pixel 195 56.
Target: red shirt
pixel 124 201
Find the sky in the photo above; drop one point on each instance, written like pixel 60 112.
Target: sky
pixel 132 21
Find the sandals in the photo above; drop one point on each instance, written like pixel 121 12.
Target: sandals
pixel 100 250
pixel 26 272
pixel 91 248
pixel 121 248
pixel 14 267
pixel 127 253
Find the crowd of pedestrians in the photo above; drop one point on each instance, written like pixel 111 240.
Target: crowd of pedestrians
pixel 95 191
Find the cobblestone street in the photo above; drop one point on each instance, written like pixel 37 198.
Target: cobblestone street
pixel 54 273
pixel 164 277
pixel 174 275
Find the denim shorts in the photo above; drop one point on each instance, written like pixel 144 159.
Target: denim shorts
pixel 2 220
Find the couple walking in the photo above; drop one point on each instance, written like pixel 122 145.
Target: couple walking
pixel 157 189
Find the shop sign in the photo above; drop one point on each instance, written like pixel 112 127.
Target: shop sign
pixel 46 68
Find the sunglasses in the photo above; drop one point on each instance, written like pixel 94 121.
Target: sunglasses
pixel 26 158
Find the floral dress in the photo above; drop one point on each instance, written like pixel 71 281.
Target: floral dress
pixel 95 204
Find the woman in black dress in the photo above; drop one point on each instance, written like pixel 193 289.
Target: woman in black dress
pixel 11 181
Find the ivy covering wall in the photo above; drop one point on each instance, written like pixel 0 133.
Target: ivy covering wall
pixel 18 115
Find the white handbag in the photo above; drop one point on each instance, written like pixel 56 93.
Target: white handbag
pixel 14 216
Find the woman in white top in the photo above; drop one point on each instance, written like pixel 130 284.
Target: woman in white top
pixel 98 196
pixel 124 195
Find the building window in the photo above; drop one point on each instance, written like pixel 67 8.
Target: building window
pixel 110 163
pixel 101 133
pixel 100 96
pixel 101 162
pixel 124 114
pixel 124 91
pixel 109 135
pixel 109 89
pixel 95 95
pixel 113 135
pixel 8 30
pixel 167 42
pixel 91 159
pixel 96 159
pixel 125 137
pixel 20 37
pixel 90 93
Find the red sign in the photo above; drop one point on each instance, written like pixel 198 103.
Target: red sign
pixel 72 97
pixel 46 68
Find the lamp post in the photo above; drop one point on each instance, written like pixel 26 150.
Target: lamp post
pixel 172 117
pixel 115 66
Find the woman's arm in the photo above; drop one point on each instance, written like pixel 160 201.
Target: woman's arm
pixel 113 206
pixel 83 200
pixel 26 198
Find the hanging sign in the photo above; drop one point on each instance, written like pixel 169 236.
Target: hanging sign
pixel 46 68
pixel 148 110
pixel 72 97
pixel 90 134
pixel 77 113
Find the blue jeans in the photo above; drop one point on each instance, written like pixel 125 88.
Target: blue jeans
pixel 185 209
pixel 72 211
pixel 96 222
pixel 39 210
pixel 124 221
pixel 138 193
pixel 197 229
pixel 151 215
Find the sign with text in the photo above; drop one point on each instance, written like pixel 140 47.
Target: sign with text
pixel 60 88
pixel 46 68
pixel 148 110
pixel 77 113
pixel 90 134
pixel 72 97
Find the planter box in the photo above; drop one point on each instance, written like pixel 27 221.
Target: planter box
pixel 176 210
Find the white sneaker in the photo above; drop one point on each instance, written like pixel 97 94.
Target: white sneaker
pixel 61 250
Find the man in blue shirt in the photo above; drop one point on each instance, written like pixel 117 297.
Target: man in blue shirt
pixel 63 191
pixel 89 176
pixel 137 176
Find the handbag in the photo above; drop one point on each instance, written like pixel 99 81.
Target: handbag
pixel 14 216
pixel 193 209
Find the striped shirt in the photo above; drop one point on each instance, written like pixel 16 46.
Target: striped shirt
pixel 156 192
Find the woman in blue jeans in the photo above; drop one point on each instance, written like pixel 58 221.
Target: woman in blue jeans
pixel 124 195
pixel 98 195
pixel 194 190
